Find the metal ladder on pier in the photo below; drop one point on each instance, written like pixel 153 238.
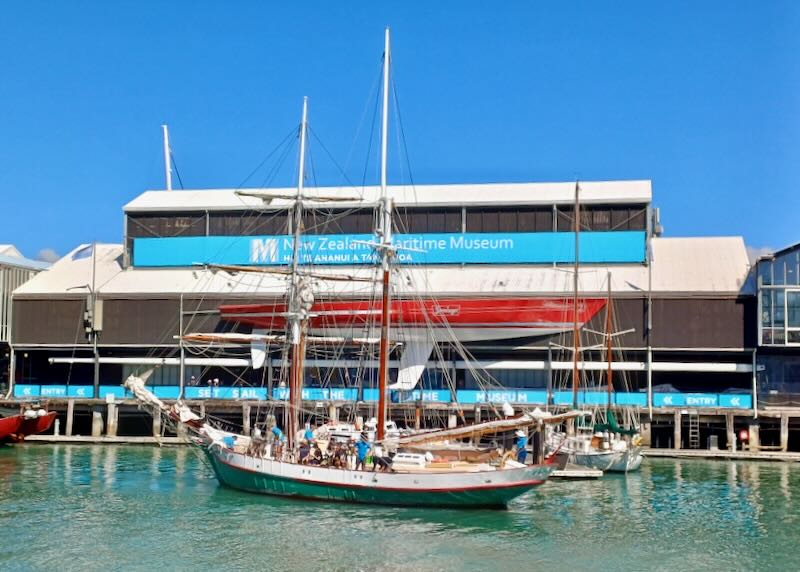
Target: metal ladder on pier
pixel 694 430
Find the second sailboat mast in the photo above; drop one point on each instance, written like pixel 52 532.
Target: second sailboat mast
pixel 386 241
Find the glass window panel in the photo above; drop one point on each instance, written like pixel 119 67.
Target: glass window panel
pixel 766 336
pixel 765 272
pixel 490 221
pixel 436 221
pixel 779 272
pixel 452 221
pixel 778 308
pixel 526 220
pixel 544 220
pixel 793 309
pixel 766 309
pixel 794 336
pixel 619 218
pixel 601 219
pixel 474 221
pixel 564 219
pixel 507 221
pixel 638 219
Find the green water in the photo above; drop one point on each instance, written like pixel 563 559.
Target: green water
pixel 65 507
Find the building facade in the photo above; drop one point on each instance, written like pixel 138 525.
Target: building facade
pixel 686 317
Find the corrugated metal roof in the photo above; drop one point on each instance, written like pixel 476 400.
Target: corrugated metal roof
pixel 597 192
pixel 684 266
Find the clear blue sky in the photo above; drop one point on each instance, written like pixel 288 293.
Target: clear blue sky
pixel 701 97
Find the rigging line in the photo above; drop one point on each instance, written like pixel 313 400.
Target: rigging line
pixel 175 165
pixel 330 156
pixel 372 90
pixel 403 136
pixel 371 136
pixel 265 159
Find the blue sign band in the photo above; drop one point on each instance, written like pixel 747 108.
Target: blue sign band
pixel 355 249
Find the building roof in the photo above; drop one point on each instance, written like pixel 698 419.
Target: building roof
pixel 11 256
pixel 10 250
pixel 707 266
pixel 71 277
pixel 592 192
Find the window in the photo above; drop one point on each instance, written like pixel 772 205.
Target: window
pixel 793 308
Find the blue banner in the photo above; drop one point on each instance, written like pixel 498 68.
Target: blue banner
pixel 319 393
pixel 26 391
pixel 743 401
pixel 353 249
pixel 81 391
pixel 635 399
pixel 425 395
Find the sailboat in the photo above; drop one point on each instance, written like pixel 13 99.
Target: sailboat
pixel 601 443
pixel 273 466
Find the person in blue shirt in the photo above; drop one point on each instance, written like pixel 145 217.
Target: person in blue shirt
pixel 521 443
pixel 309 434
pixel 279 436
pixel 362 449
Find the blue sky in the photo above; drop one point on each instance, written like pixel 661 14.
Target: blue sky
pixel 701 97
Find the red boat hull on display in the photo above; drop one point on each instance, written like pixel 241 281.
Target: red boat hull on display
pixel 466 319
pixel 16 427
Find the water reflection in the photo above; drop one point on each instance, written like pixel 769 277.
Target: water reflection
pixel 686 514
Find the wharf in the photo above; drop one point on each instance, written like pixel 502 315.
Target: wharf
pixel 106 440
pixel 779 456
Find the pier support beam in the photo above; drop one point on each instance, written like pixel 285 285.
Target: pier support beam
pixel 333 413
pixel 477 414
pixel 417 418
pixel 70 417
pixel 646 433
pixel 246 418
pixel 202 409
pixel 157 425
pixel 112 417
pixel 677 430
pixel 755 438
pixel 784 432
pixel 97 422
pixel 730 434
pixel 452 420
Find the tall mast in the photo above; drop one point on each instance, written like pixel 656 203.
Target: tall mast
pixel 167 159
pixel 386 240
pixel 609 326
pixel 576 335
pixel 296 321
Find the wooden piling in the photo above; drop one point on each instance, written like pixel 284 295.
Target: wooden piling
pixel 677 430
pixel 246 418
pixel 157 424
pixel 730 433
pixel 784 432
pixel 112 420
pixel 97 422
pixel 70 416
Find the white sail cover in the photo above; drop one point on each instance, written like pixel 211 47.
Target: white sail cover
pixel 412 364
pixel 258 349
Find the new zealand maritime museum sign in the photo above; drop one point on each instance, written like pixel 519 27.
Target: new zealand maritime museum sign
pixel 353 249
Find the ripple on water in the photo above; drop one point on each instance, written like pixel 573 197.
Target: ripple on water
pixel 77 507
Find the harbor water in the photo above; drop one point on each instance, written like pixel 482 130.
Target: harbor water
pixel 72 507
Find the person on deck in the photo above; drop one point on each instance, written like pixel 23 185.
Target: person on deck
pixel 362 449
pixel 308 435
pixel 521 444
pixel 304 453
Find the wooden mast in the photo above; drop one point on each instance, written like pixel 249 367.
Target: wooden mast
pixel 609 356
pixel 576 335
pixel 297 318
pixel 386 252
